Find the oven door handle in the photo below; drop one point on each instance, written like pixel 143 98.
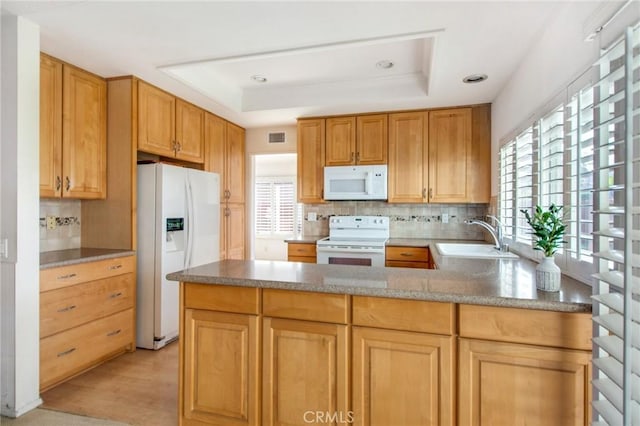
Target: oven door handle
pixel 348 250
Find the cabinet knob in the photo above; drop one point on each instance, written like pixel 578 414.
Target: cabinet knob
pixel 430 193
pixel 424 192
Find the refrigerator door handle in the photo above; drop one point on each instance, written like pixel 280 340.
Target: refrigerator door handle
pixel 190 225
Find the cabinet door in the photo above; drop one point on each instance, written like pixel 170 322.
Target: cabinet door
pixel 402 378
pixel 304 371
pixel 340 145
pixel 310 160
pixel 449 155
pixel 514 384
pixel 408 135
pixel 220 380
pixel 235 231
pixel 479 173
pixel 372 139
pixel 50 127
pixel 235 164
pixel 189 132
pixel 84 134
pixel 223 232
pixel 215 136
pixel 156 120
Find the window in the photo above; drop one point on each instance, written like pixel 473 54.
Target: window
pixel 276 210
pixel 616 224
pixel 551 161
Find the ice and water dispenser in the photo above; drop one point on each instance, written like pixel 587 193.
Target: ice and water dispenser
pixel 175 234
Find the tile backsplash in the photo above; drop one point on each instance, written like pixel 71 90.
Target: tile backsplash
pixel 406 220
pixel 64 217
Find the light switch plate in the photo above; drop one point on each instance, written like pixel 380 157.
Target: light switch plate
pixel 312 217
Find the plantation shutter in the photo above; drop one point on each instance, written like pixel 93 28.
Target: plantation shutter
pixel 263 208
pixel 616 309
pixel 507 196
pixel 524 167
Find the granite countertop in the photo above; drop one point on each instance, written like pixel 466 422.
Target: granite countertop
pixel 53 259
pixel 494 282
pixel 306 239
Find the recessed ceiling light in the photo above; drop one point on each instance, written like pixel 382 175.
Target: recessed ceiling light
pixel 259 78
pixel 385 64
pixel 475 78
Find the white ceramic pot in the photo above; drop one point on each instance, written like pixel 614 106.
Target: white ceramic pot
pixel 548 275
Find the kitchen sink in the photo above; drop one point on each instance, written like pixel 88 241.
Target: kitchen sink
pixel 476 251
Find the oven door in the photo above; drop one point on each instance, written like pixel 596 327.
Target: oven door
pixel 350 256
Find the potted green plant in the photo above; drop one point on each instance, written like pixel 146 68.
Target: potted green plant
pixel 548 231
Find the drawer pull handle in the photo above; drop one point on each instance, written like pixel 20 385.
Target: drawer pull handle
pixel 67 352
pixel 67 309
pixel 115 295
pixel 114 333
pixel 114 267
pixel 406 254
pixel 66 277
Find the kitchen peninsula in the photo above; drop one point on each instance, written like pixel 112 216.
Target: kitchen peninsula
pixel 472 342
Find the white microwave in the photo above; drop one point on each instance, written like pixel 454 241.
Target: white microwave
pixel 355 182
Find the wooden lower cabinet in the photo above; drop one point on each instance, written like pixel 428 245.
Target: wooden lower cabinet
pixel 402 378
pixel 305 368
pixel 254 356
pixel 408 257
pixel 87 316
pixel 515 384
pixel 221 349
pixel 301 252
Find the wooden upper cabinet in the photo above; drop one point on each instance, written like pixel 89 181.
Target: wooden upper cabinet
pixel 449 155
pixel 235 164
pixel 311 154
pixel 356 140
pixel 156 120
pixel 408 157
pixel 371 139
pixel 479 172
pixel 73 132
pixel 50 127
pixel 340 144
pixel 168 126
pixel 215 153
pixel 189 132
pixel 224 154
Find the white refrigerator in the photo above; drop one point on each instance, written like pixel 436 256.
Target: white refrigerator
pixel 178 214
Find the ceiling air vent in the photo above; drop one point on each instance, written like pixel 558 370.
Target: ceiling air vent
pixel 277 137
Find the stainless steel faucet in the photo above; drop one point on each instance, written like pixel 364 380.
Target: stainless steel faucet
pixel 496 232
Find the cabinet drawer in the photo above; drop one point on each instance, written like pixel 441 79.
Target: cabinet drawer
pixel 65 354
pixel 530 326
pixel 406 264
pixel 302 259
pixel 301 249
pixel 400 314
pixel 306 305
pixel 412 254
pixel 75 305
pixel 53 278
pixel 212 297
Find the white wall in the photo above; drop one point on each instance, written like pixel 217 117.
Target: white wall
pixel 257 143
pixel 559 57
pixel 19 196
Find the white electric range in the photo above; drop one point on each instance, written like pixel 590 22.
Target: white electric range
pixel 354 240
